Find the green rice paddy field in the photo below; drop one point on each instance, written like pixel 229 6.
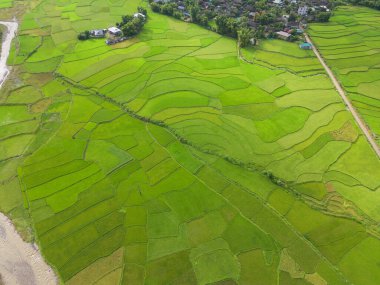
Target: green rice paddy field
pixel 350 43
pixel 167 160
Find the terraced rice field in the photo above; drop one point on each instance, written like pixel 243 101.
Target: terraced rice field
pixel 167 160
pixel 6 3
pixel 350 43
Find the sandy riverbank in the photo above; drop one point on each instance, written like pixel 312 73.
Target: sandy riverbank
pixel 9 34
pixel 21 263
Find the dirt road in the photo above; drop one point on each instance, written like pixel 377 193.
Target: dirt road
pixel 348 103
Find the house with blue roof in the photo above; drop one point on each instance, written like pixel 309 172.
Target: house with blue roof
pixel 306 46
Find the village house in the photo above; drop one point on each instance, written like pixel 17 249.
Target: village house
pixel 98 33
pixel 285 19
pixel 302 11
pixel 283 35
pixel 252 15
pixel 306 46
pixel 292 25
pixel 324 8
pixel 114 31
pixel 136 15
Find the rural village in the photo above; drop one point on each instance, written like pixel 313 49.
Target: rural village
pixel 247 20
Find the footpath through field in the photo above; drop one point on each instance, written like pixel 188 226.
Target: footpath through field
pixel 348 103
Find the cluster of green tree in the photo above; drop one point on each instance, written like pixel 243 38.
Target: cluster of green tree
pixel 237 28
pixel 84 36
pixel 246 35
pixel 169 9
pixel 131 25
pixel 321 16
pixel 237 23
pixel 374 4
pixel 225 25
pixel 196 14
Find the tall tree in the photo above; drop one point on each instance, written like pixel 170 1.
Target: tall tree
pixel 244 36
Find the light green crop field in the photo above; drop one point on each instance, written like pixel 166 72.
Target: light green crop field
pixel 6 3
pixel 350 43
pixel 166 159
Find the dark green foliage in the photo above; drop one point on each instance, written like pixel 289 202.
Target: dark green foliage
pixel 155 7
pixel 125 19
pixel 226 25
pixel 131 25
pixel 266 18
pixel 245 36
pixel 84 36
pixel 292 17
pixel 176 14
pixel 168 9
pixel 194 12
pixel 375 4
pixel 322 17
pixel 142 10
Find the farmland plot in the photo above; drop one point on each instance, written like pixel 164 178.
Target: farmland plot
pixel 350 44
pixel 167 160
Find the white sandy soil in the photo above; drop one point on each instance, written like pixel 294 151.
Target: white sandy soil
pixel 20 262
pixel 6 46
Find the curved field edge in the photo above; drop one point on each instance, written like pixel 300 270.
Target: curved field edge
pixel 140 198
pixel 351 50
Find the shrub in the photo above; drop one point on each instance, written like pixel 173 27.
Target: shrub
pixel 84 36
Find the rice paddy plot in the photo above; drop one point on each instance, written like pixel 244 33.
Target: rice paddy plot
pixel 352 51
pixel 167 160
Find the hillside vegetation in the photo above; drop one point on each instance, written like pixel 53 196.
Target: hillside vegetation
pixel 166 159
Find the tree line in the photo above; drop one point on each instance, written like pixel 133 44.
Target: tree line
pixel 374 4
pixel 238 23
pixel 225 25
pixel 129 25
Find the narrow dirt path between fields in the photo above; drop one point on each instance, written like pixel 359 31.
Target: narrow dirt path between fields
pixel 347 101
